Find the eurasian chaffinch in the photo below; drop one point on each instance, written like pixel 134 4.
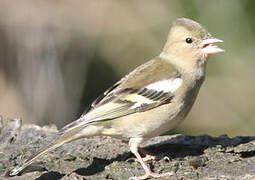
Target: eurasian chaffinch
pixel 150 100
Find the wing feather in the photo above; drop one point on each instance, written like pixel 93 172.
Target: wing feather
pixel 122 105
pixel 127 96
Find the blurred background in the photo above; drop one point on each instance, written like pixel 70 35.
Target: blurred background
pixel 57 56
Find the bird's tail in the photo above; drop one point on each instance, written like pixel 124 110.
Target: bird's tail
pixel 62 139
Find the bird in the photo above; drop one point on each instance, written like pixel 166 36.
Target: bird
pixel 150 100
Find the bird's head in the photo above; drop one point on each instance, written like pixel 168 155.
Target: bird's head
pixel 188 41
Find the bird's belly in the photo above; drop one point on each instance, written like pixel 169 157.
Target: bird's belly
pixel 152 123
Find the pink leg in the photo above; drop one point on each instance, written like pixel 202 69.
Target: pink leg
pixel 134 142
pixel 148 156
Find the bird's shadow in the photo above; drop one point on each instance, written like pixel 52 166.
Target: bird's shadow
pixel 52 175
pixel 170 148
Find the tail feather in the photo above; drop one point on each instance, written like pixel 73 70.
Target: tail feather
pixel 65 138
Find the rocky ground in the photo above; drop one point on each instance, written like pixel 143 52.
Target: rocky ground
pixel 190 157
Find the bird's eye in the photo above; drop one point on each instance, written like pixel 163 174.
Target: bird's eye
pixel 189 40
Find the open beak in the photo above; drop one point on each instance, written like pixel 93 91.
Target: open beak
pixel 209 48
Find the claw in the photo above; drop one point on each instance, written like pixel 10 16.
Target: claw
pixel 152 175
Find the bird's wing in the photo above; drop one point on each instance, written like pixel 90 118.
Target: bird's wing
pixel 154 85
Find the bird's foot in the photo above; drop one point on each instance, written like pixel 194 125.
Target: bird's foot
pixel 146 158
pixel 149 157
pixel 152 175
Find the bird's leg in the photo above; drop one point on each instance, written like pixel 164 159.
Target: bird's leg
pixel 148 156
pixel 134 143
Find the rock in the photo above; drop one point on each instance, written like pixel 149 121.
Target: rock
pixel 190 157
